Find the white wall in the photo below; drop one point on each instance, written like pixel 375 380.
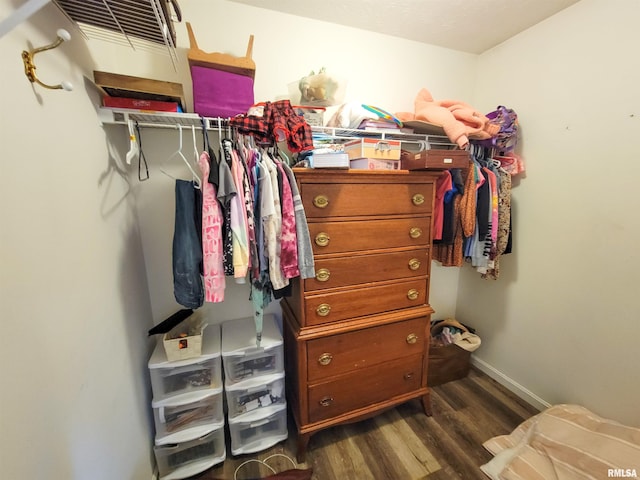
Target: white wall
pixel 562 319
pixel 74 301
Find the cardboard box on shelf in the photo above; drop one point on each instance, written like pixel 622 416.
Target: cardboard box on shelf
pixel 374 164
pixel 373 148
pixel 434 159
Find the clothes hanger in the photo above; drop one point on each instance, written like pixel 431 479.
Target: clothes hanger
pixel 220 132
pixel 141 157
pixel 178 153
pixel 133 144
pixel 204 123
pixel 278 155
pixel 226 143
pixel 196 153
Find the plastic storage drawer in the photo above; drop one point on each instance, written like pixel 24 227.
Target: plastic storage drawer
pixel 258 430
pixel 182 377
pixel 255 394
pixel 241 358
pixel 185 420
pixel 182 460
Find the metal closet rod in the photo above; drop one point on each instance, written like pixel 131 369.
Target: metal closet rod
pixel 223 123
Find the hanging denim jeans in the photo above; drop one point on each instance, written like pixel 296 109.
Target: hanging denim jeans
pixel 187 250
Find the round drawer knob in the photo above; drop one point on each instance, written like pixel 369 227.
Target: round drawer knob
pixel 326 401
pixel 414 264
pixel 412 294
pixel 322 275
pixel 321 201
pixel 323 309
pixel 414 232
pixel 417 199
pixel 408 376
pixel 322 239
pixel 325 359
pixel 412 338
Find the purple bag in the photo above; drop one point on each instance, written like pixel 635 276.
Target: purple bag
pixel 217 93
pixel 222 83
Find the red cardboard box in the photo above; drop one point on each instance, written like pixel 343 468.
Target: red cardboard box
pixel 139 104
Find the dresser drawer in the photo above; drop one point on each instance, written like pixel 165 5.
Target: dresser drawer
pixel 346 352
pixel 377 267
pixel 356 302
pixel 364 387
pixel 339 237
pixel 322 200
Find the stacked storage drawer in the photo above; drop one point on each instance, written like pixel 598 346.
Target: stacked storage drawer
pixel 188 409
pixel 254 385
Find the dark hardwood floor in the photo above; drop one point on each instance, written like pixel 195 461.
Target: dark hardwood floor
pixel 402 443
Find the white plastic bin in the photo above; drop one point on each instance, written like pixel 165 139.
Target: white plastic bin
pixel 241 358
pixel 255 394
pixel 185 420
pixel 182 377
pixel 258 430
pixel 183 460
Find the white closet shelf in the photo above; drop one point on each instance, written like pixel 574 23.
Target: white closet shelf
pixel 122 116
pixel 434 141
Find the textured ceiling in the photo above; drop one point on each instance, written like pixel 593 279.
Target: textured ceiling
pixel 467 25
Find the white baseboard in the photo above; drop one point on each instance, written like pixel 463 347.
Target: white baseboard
pixel 513 386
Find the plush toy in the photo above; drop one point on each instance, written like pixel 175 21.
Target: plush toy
pixel 318 89
pixel 459 120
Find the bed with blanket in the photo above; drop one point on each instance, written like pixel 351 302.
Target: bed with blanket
pixel 565 442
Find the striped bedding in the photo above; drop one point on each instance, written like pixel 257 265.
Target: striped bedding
pixel 565 442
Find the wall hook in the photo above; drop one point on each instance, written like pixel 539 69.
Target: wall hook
pixel 30 67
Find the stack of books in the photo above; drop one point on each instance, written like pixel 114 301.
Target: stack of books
pixel 328 154
pixel 329 159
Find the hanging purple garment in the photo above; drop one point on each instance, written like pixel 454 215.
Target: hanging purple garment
pixel 507 137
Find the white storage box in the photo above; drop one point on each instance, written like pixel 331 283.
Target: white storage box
pixel 179 378
pixel 374 164
pixel 182 421
pixel 185 340
pixel 241 358
pixel 313 115
pixel 258 430
pixel 182 460
pixel 255 394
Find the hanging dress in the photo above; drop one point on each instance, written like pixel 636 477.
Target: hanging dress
pixel 226 192
pixel 213 271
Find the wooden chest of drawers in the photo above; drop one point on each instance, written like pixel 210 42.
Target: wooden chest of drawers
pixel 357 335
